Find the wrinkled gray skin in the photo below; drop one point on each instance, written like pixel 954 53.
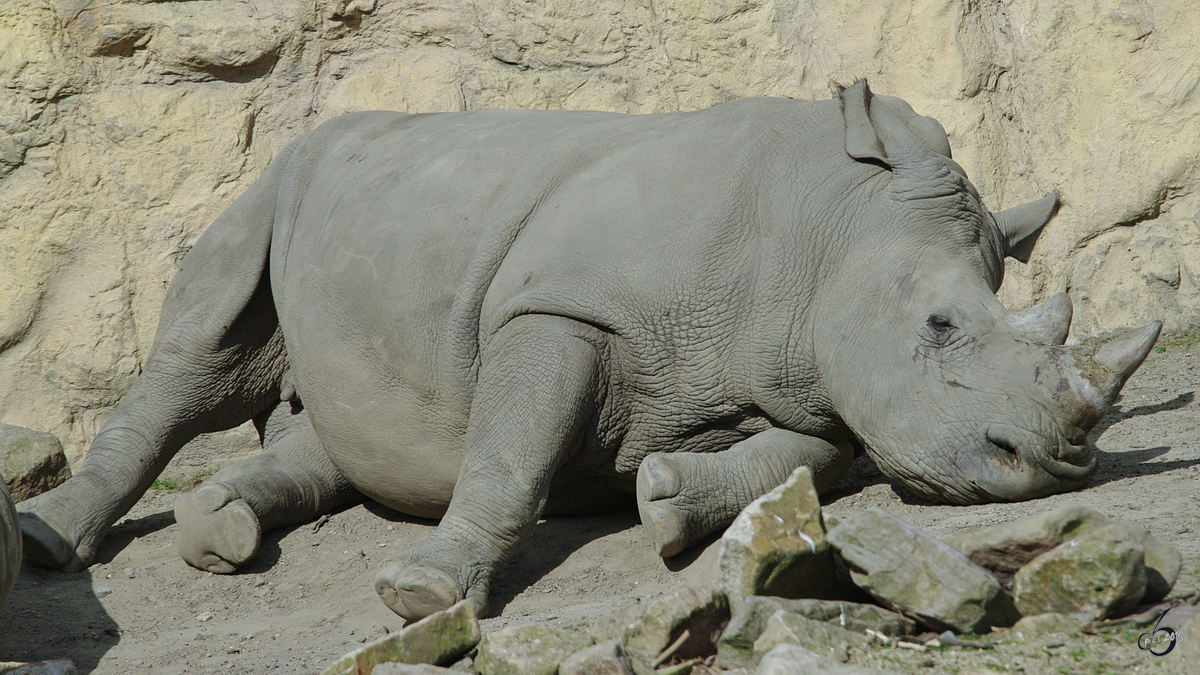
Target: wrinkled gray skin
pixel 487 316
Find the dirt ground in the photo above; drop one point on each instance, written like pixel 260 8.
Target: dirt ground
pixel 307 599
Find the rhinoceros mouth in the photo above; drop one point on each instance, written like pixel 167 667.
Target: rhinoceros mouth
pixel 1065 459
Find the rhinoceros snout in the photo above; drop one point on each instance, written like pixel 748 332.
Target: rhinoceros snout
pixel 1063 456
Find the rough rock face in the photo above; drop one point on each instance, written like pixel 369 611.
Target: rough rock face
pixel 439 639
pixel 1004 549
pixel 776 546
pixel 914 573
pixel 1101 574
pixel 126 126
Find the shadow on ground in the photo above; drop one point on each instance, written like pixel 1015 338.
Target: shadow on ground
pixel 1119 413
pixel 54 615
pixel 552 542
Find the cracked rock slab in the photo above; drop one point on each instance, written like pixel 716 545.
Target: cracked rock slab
pixel 776 546
pixel 1101 573
pixel 439 639
pixel 919 575
pixel 528 649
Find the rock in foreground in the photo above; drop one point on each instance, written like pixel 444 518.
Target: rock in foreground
pixel 606 658
pixel 776 546
pixel 1100 574
pixel 789 659
pixel 438 639
pixel 736 647
pixel 1004 549
pixel 915 573
pixel 529 649
pixel 648 628
pixel 821 638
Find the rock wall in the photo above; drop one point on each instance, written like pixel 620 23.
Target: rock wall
pixel 126 126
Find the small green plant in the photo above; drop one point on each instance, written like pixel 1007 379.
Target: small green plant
pixel 1063 670
pixel 1077 654
pixel 197 479
pixel 1130 634
pixel 163 485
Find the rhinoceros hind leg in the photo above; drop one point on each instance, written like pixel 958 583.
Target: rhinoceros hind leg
pixel 44 543
pixel 291 481
pixel 218 531
pixel 684 497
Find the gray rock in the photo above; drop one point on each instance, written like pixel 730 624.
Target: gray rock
pixel 648 628
pixel 776 546
pixel 789 659
pixel 1100 573
pixel 917 574
pixel 31 462
pixel 10 545
pixel 1163 562
pixel 819 637
pixel 1037 628
pixel 438 639
pixel 606 658
pixel 410 669
pixel 1004 549
pixel 528 649
pixel 736 647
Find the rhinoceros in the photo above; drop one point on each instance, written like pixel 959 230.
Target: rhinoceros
pixel 489 316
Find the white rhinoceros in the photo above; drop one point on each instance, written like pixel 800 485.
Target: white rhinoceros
pixel 483 317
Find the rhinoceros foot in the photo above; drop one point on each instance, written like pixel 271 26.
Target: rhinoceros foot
pixel 218 531
pixel 416 591
pixel 48 540
pixel 666 524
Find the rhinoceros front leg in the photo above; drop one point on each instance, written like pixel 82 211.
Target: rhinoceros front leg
pixel 684 497
pixel 538 391
pixel 291 481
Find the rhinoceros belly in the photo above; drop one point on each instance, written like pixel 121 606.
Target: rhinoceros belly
pixel 369 281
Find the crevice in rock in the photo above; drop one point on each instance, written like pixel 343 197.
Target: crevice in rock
pixel 1165 194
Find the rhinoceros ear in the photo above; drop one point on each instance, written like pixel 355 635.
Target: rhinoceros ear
pixel 1021 225
pixel 861 140
pixel 930 130
pixel 879 132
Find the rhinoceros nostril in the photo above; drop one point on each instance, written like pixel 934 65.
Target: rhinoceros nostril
pixel 1002 447
pixel 1073 452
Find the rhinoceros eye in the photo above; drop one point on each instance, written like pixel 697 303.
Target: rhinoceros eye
pixel 940 326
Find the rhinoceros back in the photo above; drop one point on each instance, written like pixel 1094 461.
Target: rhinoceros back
pixel 412 239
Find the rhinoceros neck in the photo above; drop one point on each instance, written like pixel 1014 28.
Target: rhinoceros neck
pixel 806 247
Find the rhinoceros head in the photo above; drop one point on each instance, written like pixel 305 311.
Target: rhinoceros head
pixel 953 395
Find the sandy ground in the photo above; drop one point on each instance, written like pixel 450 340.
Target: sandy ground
pixel 307 598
